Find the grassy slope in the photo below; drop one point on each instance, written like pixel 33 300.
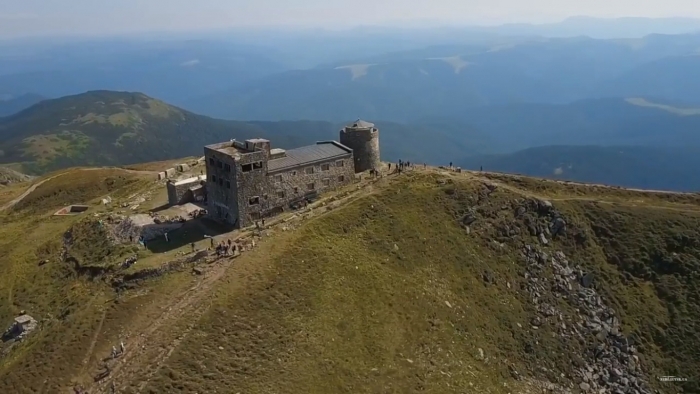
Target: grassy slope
pixel 356 300
pixel 339 308
pixel 69 308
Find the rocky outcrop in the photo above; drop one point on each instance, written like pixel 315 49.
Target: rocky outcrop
pixel 610 361
pixel 562 293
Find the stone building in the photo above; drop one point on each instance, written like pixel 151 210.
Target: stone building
pixel 363 138
pixel 246 180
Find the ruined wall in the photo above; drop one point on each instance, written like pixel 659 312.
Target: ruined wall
pixel 365 146
pixel 179 192
pixel 222 189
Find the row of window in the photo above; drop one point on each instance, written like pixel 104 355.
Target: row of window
pixel 281 194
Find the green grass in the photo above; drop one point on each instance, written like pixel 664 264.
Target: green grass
pixel 81 187
pixel 383 294
pixel 69 306
pixel 343 304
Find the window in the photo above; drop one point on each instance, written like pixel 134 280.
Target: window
pixel 246 167
pixel 213 178
pixel 341 178
pixel 325 167
pixel 296 190
pixel 278 178
pixel 326 182
pixel 219 164
pixel 311 186
pixel 211 161
pixel 258 165
pixel 340 163
pixel 221 181
pixel 227 167
pixel 294 173
pixel 280 194
pixel 254 200
pixel 264 196
pixel 309 170
pixel 228 184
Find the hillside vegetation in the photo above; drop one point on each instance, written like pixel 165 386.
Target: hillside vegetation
pixel 117 128
pixel 429 285
pixel 428 281
pixel 121 128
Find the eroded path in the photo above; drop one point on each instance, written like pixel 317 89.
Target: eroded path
pixel 33 187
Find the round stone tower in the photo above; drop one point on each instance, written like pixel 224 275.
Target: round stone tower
pixel 363 138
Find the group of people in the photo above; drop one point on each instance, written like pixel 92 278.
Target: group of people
pixel 224 248
pixel 403 165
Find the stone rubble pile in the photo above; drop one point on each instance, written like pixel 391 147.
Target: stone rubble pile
pixel 611 362
pixel 123 229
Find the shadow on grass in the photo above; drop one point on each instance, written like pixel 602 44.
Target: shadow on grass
pixel 195 230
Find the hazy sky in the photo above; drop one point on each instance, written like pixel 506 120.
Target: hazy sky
pixel 38 17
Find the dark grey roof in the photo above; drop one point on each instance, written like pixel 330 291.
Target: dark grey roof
pixel 322 151
pixel 360 124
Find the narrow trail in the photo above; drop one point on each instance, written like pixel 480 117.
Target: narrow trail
pixel 93 342
pixel 33 187
pixel 149 349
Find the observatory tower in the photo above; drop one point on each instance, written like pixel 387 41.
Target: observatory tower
pixel 363 138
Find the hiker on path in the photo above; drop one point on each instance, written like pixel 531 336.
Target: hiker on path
pixel 212 242
pixel 450 165
pixel 192 245
pixel 166 237
pixel 481 168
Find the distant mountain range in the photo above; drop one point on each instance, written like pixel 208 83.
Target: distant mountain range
pixel 117 128
pixel 445 81
pixel 229 75
pixel 638 143
pixel 15 104
pixel 641 167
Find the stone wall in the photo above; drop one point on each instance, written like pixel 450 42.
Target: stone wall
pixel 365 146
pixel 222 200
pixel 241 197
pixel 293 184
pixel 251 184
